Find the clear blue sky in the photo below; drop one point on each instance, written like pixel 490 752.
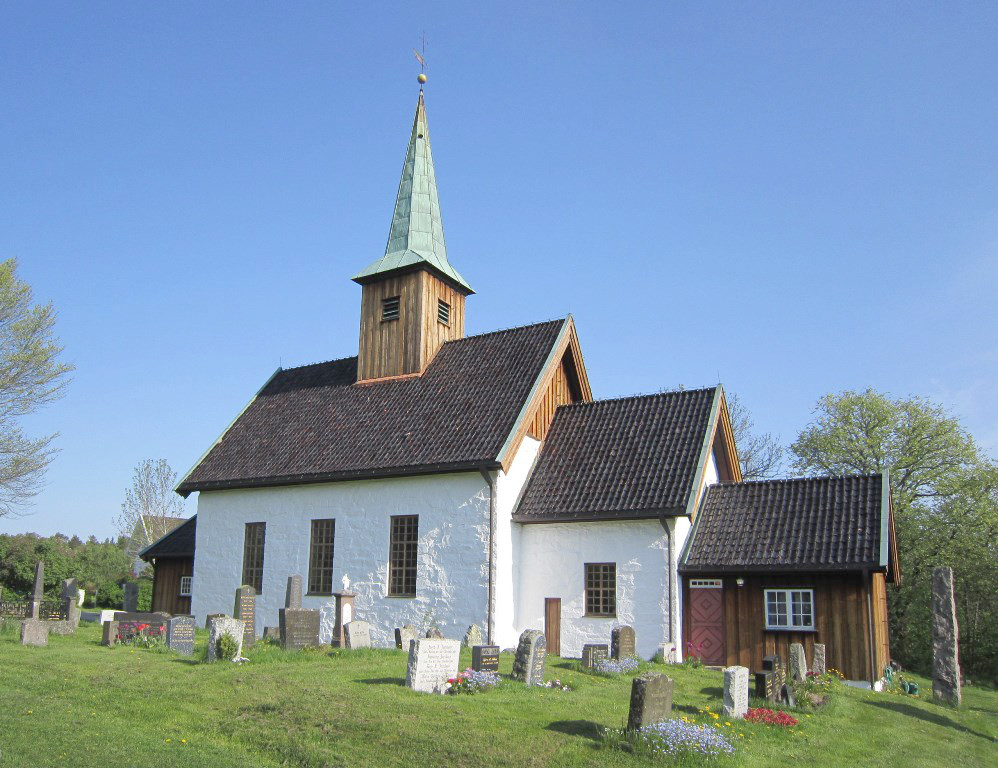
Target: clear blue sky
pixel 790 197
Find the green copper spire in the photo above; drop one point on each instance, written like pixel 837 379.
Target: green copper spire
pixel 417 234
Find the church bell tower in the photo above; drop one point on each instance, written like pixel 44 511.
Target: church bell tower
pixel 413 299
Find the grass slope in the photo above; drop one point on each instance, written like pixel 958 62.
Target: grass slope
pixel 79 704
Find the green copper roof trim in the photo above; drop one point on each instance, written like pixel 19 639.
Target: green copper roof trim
pixel 417 234
pixel 885 516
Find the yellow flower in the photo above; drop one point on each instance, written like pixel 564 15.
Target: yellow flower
pixel 30 712
pixel 183 741
pixel 169 740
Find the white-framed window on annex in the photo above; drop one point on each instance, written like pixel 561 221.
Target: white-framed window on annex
pixel 186 585
pixel 790 609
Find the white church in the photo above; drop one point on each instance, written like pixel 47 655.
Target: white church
pixel 448 480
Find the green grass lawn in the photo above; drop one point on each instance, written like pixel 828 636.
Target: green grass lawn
pixel 76 703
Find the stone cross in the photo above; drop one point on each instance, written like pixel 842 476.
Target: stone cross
pixel 432 662
pixel 357 634
pixel 798 662
pixel 292 598
pixel 131 602
pixel 621 642
pixel 473 636
pixel 735 691
pixel 651 700
pixel 234 628
pixel 405 634
pixel 818 664
pixel 528 666
pixel 245 611
pixel 38 594
pixel 945 639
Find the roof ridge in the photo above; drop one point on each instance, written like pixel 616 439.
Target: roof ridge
pixel 508 330
pixel 319 362
pixel 811 478
pixel 645 396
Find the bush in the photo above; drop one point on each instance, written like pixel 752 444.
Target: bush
pixel 227 647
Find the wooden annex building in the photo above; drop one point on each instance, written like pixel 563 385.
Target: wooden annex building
pixel 792 561
pixel 172 559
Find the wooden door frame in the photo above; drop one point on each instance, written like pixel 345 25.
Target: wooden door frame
pixel 547 643
pixel 687 620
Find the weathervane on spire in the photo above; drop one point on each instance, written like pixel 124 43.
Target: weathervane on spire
pixel 421 58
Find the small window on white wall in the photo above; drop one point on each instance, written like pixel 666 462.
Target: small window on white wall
pixel 789 609
pixel 186 582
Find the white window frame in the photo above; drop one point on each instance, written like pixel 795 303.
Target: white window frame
pixel 189 582
pixel 796 621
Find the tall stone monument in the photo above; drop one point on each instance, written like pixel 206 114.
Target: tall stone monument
pixel 131 602
pixel 735 691
pixel 528 666
pixel 798 662
pixel 38 593
pixel 945 639
pixel 818 663
pixel 71 602
pixel 245 611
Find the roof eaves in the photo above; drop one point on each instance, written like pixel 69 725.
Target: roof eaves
pixel 599 517
pixel 183 483
pixel 142 552
pixel 885 516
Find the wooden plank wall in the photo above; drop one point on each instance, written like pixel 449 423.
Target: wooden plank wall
pixel 433 332
pixel 558 392
pixel 166 584
pixel 840 613
pixel 881 631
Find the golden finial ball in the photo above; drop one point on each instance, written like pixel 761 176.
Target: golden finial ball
pixel 421 78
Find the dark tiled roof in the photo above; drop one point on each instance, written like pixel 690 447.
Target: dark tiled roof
pixel 619 459
pixel 807 524
pixel 177 543
pixel 314 423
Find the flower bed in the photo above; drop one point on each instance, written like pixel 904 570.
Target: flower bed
pixel 471 681
pixel 771 717
pixel 614 667
pixel 677 738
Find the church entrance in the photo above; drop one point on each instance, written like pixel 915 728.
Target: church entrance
pixel 706 621
pixel 552 625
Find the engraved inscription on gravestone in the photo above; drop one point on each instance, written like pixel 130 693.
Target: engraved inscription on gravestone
pixel 432 662
pixel 357 634
pixel 593 654
pixel 735 691
pixel 528 666
pixel 180 634
pixel 299 628
pixel 485 658
pixel 651 700
pixel 245 611
pixel 622 642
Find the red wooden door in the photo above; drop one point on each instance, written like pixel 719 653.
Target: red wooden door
pixel 552 625
pixel 707 621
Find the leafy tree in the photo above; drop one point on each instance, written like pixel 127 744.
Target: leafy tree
pixel 30 376
pixel 945 508
pixel 760 455
pixel 148 505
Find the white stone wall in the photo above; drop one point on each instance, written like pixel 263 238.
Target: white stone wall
pixel 551 563
pixel 452 580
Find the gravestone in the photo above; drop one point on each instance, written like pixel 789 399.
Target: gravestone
pixel 945 639
pixel 61 627
pixel 432 662
pixel 70 589
pixel 70 595
pixel 34 632
pixel 798 662
pixel 131 601
pixel 272 633
pixel 110 637
pixel 651 700
pixel 38 593
pixel 180 634
pixel 434 634
pixel 245 611
pixel 786 696
pixel 485 658
pixel 621 642
pixel 735 691
pixel 357 634
pixel 292 598
pixel 771 663
pixel 818 664
pixel 593 654
pixel 528 666
pixel 210 616
pixel 404 634
pixel 473 636
pixel 234 628
pixel 299 628
pixel 764 686
pixel 131 625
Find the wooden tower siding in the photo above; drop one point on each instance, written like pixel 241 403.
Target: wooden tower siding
pixel 166 584
pixel 881 632
pixel 840 605
pixel 406 345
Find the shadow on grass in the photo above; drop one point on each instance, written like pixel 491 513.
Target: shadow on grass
pixel 709 691
pixel 382 681
pixel 584 728
pixel 187 660
pixel 688 708
pixel 930 717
